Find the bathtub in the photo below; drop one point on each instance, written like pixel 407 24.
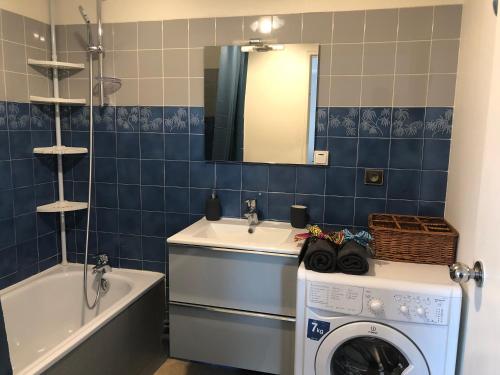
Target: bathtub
pixel 51 331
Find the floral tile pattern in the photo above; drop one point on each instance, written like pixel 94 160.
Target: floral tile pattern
pixel 438 122
pixel 196 120
pixel 3 116
pixel 151 119
pixel 42 117
pixel 408 122
pixel 176 120
pixel 18 116
pixel 343 122
pixel 104 118
pixel 80 118
pixel 375 122
pixel 127 119
pixel 321 121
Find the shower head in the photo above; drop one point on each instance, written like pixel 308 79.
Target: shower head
pixel 84 15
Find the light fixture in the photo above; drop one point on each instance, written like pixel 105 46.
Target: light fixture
pixel 266 24
pixel 257 45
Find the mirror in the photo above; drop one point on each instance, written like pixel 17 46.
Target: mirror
pixel 260 102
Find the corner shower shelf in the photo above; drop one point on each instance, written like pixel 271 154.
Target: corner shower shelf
pixel 62 206
pixel 56 64
pixel 60 150
pixel 41 99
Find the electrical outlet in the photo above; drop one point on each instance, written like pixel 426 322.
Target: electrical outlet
pixel 374 177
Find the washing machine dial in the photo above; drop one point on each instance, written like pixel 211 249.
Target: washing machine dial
pixel 421 312
pixel 403 309
pixel 376 306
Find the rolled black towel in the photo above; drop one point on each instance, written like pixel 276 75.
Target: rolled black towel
pixel 5 366
pixel 320 256
pixel 352 259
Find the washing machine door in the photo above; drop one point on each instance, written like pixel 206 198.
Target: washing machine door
pixel 361 348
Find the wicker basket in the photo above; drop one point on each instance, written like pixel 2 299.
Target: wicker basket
pixel 415 239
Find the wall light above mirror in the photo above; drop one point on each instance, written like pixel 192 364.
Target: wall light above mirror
pixel 260 102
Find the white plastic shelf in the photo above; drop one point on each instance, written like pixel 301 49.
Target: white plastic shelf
pixel 41 99
pixel 60 150
pixel 62 206
pixel 56 64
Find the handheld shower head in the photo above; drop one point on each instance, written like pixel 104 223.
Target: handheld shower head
pixel 84 14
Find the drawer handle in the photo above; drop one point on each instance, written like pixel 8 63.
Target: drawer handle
pixel 238 251
pixel 234 312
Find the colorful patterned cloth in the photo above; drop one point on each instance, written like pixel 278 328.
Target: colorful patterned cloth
pixel 339 238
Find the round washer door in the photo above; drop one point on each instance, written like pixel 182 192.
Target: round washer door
pixel 369 348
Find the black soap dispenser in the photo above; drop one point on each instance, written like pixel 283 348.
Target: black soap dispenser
pixel 213 208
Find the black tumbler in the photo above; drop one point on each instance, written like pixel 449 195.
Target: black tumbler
pixel 298 216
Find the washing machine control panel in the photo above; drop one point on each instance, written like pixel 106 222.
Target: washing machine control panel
pixel 379 303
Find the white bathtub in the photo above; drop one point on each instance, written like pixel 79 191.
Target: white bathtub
pixel 46 317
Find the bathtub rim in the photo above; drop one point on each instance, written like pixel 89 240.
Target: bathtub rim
pixel 83 333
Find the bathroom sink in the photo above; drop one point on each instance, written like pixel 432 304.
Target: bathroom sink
pixel 267 236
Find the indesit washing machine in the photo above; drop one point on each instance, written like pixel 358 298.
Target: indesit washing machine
pixel 399 319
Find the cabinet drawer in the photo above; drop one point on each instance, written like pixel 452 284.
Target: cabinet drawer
pixel 234 279
pixel 232 338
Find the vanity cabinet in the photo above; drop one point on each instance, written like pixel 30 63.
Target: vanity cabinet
pixel 233 307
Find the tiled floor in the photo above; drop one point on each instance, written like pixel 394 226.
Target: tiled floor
pixel 176 367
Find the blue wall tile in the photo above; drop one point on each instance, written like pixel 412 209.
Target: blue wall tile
pixel 20 145
pixel 340 181
pixel 22 173
pixel 105 195
pixel 310 180
pixel 279 206
pixel 152 172
pixel 339 210
pixel 406 153
pixel 128 145
pixel 322 121
pixel 4 141
pixel 176 120
pixel 104 118
pixel 282 178
pixel 107 220
pixel 342 151
pixel 7 204
pixel 197 147
pixel 129 171
pixel 130 247
pixel 402 207
pixel 228 176
pixel 177 199
pixel 436 154
pixel 129 197
pixel 431 209
pixel 202 175
pixel 5 175
pixel 152 198
pixel 255 177
pixel 25 226
pixel 365 207
pixel 105 144
pixel 197 200
pixel 175 223
pixel 176 147
pixel 18 116
pixel 404 184
pixel 152 146
pixel 24 201
pixel 176 173
pixel 230 202
pixel 105 170
pixel 153 249
pixel 315 206
pixel 129 222
pixel 373 153
pixel 153 223
pixel 433 186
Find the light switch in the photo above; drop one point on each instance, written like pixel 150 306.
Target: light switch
pixel 320 158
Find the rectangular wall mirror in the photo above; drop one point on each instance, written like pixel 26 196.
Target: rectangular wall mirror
pixel 260 102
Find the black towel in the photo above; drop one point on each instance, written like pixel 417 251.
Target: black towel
pixel 352 259
pixel 5 366
pixel 320 256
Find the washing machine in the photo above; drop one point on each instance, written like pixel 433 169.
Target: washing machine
pixel 399 319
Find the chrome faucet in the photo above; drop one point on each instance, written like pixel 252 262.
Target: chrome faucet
pixel 102 266
pixel 251 214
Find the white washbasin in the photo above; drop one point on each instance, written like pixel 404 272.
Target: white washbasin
pixel 233 233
